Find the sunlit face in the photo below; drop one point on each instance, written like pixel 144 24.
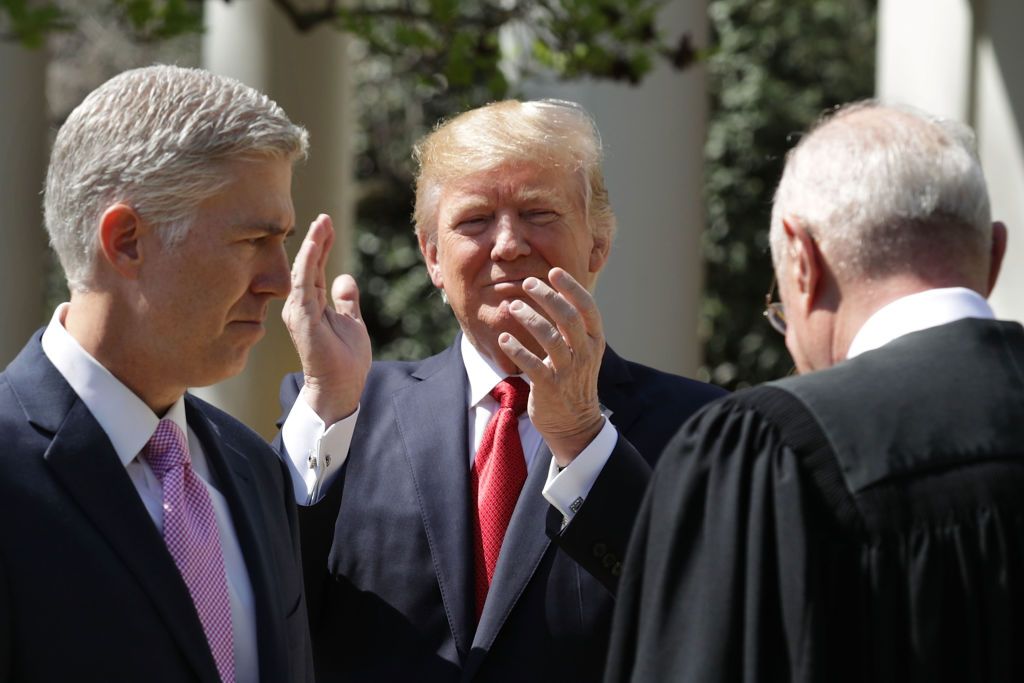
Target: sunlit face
pixel 498 227
pixel 204 300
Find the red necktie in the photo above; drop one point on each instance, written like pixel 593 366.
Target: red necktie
pixel 497 478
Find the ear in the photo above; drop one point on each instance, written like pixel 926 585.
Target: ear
pixel 428 247
pixel 120 233
pixel 599 254
pixel 803 262
pixel 995 262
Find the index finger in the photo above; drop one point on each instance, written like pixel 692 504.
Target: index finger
pixel 310 263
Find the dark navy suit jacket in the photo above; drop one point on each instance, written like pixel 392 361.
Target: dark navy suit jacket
pixel 388 551
pixel 88 591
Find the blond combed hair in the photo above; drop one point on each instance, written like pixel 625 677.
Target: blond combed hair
pixel 552 133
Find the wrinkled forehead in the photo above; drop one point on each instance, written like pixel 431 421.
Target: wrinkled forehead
pixel 515 182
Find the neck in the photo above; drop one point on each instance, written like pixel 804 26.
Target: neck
pixel 859 303
pixel 93 321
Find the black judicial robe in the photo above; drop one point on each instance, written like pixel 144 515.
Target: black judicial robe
pixel 863 523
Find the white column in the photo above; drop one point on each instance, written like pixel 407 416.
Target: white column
pixel 307 74
pixel 924 55
pixel 960 59
pixel 23 260
pixel 1000 126
pixel 649 293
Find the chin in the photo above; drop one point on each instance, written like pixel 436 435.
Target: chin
pixel 222 370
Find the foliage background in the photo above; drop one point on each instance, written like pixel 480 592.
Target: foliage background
pixel 775 66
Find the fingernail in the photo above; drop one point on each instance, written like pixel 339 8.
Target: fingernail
pixel 516 305
pixel 530 283
pixel 504 337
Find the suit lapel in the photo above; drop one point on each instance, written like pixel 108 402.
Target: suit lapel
pixel 82 459
pixel 432 417
pixel 235 481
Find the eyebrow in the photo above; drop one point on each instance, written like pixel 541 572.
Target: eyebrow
pixel 524 194
pixel 269 229
pixel 537 194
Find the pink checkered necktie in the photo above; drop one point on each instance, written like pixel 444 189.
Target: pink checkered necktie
pixel 499 472
pixel 190 532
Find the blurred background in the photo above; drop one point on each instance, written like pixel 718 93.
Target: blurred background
pixel 697 102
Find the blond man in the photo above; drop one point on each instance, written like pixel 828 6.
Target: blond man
pixel 462 539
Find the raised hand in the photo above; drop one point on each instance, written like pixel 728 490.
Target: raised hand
pixel 563 401
pixel 332 341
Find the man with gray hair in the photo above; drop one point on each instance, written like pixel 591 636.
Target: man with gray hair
pixel 864 520
pixel 144 534
pixel 467 523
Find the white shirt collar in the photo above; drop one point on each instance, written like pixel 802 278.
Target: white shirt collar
pixel 915 312
pixel 483 374
pixel 124 417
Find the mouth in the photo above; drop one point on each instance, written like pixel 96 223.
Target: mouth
pixel 252 324
pixel 509 282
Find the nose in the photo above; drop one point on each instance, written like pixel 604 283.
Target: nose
pixel 510 239
pixel 274 276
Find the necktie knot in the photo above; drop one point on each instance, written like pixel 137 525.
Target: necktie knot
pixel 513 393
pixel 166 449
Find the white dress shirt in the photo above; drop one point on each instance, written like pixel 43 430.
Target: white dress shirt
pixel 317 452
pixel 129 423
pixel 930 308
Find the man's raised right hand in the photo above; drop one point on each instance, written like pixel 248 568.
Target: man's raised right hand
pixel 332 341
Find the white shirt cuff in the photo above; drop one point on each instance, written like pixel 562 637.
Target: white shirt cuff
pixel 316 452
pixel 568 488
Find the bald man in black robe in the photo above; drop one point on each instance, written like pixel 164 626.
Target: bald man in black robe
pixel 863 521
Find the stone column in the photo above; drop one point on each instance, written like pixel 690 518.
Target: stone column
pixel 649 293
pixel 959 59
pixel 307 74
pixel 924 55
pixel 999 120
pixel 23 126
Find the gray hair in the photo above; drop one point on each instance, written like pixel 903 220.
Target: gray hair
pixel 156 139
pixel 556 133
pixel 886 189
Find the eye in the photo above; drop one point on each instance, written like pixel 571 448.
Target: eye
pixel 473 225
pixel 540 216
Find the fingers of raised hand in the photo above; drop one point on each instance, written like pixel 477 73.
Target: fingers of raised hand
pixel 541 329
pixel 564 314
pixel 579 298
pixel 308 270
pixel 324 227
pixel 524 359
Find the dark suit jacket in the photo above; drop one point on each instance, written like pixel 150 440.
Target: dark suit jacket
pixel 88 591
pixel 394 536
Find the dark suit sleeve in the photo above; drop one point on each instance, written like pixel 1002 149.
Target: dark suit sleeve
pixel 713 586
pixel 597 536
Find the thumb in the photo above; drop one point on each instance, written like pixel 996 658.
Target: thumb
pixel 345 294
